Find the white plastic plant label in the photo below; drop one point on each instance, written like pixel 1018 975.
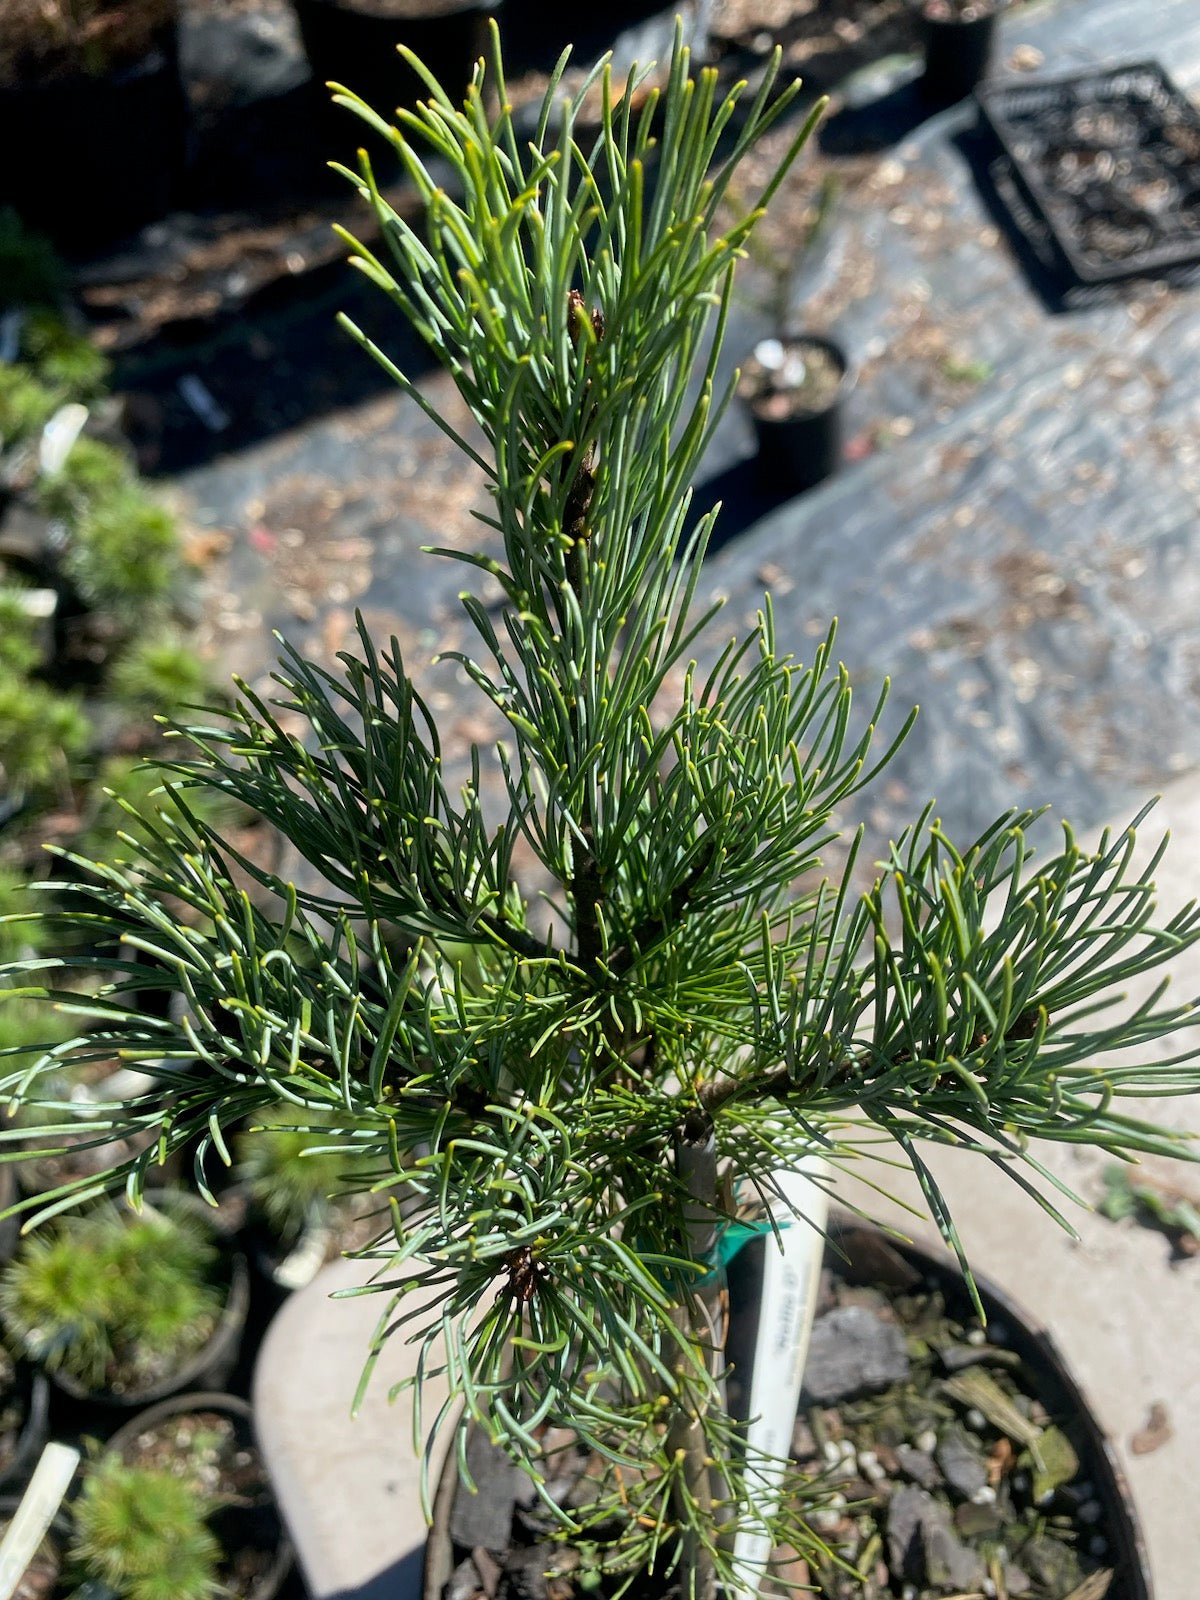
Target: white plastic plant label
pixel 38 1508
pixel 791 1278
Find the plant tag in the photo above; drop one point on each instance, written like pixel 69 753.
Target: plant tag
pixel 38 1508
pixel 59 436
pixel 301 1265
pixel 791 1277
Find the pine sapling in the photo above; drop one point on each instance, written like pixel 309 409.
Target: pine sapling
pixel 573 1116
pixel 142 1533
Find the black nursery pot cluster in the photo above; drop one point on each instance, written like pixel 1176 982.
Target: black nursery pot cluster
pixel 113 130
pixel 110 137
pixel 183 1422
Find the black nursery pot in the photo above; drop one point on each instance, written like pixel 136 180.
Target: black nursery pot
pixel 259 1525
pixel 798 452
pixel 35 1429
pixel 535 35
pixel 89 160
pixel 958 56
pixel 354 44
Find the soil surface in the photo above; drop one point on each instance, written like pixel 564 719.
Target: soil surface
pixel 774 398
pixel 12 1409
pixel 44 43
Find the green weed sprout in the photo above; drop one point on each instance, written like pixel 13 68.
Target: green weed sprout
pixel 570 1116
pixel 62 357
pixel 92 473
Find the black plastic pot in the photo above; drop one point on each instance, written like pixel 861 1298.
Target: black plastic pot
pixel 209 1368
pixel 357 48
pixel 958 56
pixel 798 452
pixel 35 1395
pixel 854 1248
pixel 261 1524
pixel 535 35
pixel 91 159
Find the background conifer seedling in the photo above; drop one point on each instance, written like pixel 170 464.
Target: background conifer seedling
pixel 570 1116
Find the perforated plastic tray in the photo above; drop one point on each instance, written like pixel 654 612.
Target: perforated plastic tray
pixel 1110 160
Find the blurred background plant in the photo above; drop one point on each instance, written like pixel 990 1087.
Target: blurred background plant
pixel 143 1534
pixel 110 1299
pixel 50 39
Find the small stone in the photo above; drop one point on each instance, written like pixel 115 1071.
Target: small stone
pixel 1090 1511
pixel 831 1452
pixel 853 1352
pixel 977 1522
pixel 1051 1564
pixel 770 354
pixel 976 1336
pixel 1056 1465
pixel 489 1570
pixel 804 1446
pixel 985 1495
pixel 908 1510
pixel 926 1441
pixel 948 1561
pixel 463 1583
pixel 1156 1432
pixel 1026 58
pixel 922 1544
pixel 918 1465
pixel 485 1517
pixel 526 1568
pixel 962 1464
pixel 1016 1580
pixel 976 1420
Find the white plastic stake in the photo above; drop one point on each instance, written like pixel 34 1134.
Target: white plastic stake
pixel 38 1508
pixel 59 436
pixel 791 1282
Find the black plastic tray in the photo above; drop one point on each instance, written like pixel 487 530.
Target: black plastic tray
pixel 1110 161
